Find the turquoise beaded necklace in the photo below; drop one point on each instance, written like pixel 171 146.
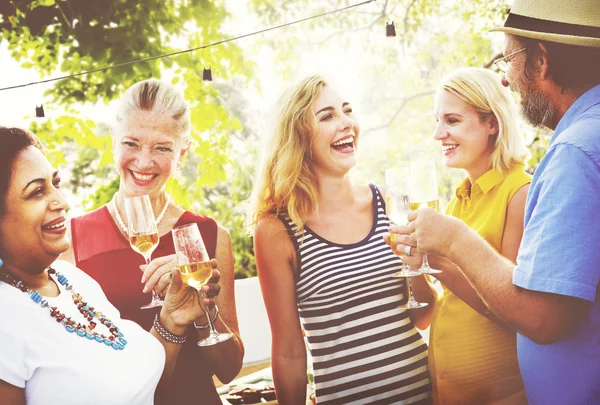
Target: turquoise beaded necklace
pixel 115 338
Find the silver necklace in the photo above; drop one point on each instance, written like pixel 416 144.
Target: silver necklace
pixel 122 223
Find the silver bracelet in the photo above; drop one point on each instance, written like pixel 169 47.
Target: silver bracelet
pixel 165 334
pixel 214 318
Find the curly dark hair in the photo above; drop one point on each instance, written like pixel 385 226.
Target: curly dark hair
pixel 12 142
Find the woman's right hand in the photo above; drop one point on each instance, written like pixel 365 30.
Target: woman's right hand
pixel 156 275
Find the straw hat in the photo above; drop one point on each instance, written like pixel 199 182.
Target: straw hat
pixel 573 22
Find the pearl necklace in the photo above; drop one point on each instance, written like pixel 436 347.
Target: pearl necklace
pixel 122 223
pixel 114 338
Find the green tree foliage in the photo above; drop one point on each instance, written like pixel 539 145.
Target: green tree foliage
pixel 71 36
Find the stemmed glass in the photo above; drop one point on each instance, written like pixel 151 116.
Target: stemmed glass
pixel 143 234
pixel 423 193
pixel 194 265
pixel 396 205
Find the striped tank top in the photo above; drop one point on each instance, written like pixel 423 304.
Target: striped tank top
pixel 365 349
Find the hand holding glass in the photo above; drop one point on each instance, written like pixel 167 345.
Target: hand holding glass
pixel 143 234
pixel 424 193
pixel 396 205
pixel 194 265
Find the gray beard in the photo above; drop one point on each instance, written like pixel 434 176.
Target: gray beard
pixel 536 108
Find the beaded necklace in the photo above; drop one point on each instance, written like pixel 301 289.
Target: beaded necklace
pixel 122 223
pixel 115 339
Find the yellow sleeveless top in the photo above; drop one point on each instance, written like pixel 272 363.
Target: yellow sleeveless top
pixel 473 360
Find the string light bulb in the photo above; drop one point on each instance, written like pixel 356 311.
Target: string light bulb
pixel 207 75
pixel 39 111
pixel 390 29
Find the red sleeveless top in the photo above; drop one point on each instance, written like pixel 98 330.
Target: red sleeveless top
pixel 104 253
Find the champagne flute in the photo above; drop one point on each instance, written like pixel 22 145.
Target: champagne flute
pixel 194 265
pixel 143 234
pixel 396 205
pixel 423 193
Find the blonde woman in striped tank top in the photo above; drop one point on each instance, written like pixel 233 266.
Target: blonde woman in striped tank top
pixel 324 267
pixel 472 354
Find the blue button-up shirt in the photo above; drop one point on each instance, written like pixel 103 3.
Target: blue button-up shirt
pixel 560 254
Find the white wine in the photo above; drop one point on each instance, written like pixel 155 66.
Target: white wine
pixel 396 208
pixel 435 204
pixel 195 274
pixel 144 244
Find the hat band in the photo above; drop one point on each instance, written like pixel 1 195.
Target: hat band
pixel 550 27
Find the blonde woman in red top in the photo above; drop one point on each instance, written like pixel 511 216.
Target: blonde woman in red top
pixel 150 138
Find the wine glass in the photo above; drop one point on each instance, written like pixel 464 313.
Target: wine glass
pixel 396 205
pixel 423 193
pixel 143 234
pixel 194 265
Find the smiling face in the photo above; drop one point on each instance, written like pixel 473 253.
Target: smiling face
pixel 535 107
pixel 32 229
pixel 334 145
pixel 147 150
pixel 467 141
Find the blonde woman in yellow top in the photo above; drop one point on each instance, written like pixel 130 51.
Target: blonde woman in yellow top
pixel 472 354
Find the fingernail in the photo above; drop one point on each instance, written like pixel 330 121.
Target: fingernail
pixel 143 280
pixel 145 290
pixel 205 288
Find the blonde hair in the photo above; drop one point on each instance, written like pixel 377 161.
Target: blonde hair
pixel 162 100
pixel 286 182
pixel 482 90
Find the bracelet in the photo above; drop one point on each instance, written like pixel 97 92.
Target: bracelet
pixel 214 318
pixel 165 334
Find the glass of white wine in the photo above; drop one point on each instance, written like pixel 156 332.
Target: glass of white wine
pixel 396 205
pixel 423 193
pixel 143 234
pixel 193 263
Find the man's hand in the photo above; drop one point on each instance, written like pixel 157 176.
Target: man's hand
pixel 433 232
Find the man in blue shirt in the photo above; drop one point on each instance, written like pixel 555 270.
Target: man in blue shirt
pixel 552 296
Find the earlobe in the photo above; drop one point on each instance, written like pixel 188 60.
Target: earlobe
pixel 494 126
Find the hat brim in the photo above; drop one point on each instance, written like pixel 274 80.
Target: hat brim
pixel 544 36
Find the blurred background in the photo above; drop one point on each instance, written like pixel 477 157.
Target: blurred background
pixel 390 82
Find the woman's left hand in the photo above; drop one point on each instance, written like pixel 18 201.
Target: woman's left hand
pixel 184 304
pixel 212 289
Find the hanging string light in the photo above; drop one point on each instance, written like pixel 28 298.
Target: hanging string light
pixel 102 69
pixel 390 29
pixel 207 75
pixel 39 111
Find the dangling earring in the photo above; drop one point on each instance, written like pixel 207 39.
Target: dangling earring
pixel 1 262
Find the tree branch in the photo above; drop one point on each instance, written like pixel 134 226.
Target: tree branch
pixel 380 15
pixel 489 64
pixel 405 101
pixel 405 23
